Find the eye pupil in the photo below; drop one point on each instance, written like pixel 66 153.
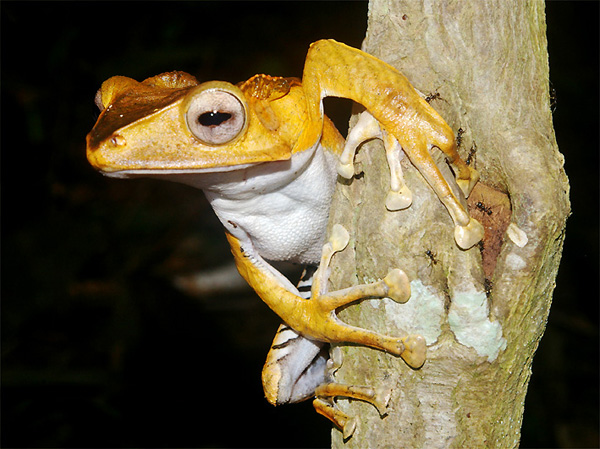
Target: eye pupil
pixel 213 118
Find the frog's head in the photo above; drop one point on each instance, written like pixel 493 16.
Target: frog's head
pixel 171 124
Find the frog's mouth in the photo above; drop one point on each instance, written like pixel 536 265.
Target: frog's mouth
pixel 157 173
pixel 250 178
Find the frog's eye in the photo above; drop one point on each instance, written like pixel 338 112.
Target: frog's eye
pixel 215 116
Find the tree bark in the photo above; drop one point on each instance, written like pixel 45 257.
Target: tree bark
pixel 482 311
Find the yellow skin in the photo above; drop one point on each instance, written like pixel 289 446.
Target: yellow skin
pixel 237 141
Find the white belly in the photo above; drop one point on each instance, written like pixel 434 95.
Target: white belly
pixel 282 206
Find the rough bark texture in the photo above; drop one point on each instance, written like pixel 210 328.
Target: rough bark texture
pixel 482 311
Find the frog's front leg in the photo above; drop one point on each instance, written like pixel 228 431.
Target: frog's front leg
pixel 395 285
pixel 334 69
pixel 399 197
pixel 468 231
pixel 295 366
pixel 315 318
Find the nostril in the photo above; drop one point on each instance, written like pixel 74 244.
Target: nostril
pixel 118 140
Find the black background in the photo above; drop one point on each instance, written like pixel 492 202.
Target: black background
pixel 98 348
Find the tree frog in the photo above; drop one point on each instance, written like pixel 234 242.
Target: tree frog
pixel 267 159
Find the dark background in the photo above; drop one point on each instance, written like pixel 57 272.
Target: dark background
pixel 98 347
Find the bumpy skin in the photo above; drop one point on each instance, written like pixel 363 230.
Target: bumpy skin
pixel 270 179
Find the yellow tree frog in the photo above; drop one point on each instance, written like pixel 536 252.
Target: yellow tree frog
pixel 267 159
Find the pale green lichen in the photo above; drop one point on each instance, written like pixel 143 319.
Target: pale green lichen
pixel 423 314
pixel 469 320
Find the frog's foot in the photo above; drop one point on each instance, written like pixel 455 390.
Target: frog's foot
pixel 468 231
pixel 399 197
pixel 471 176
pixel 325 325
pixel 395 285
pixel 325 405
pixel 415 351
pixel 468 235
pixel 342 421
pixel 377 397
pixel 365 129
pixel 334 362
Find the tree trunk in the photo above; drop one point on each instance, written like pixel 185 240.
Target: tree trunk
pixel 482 311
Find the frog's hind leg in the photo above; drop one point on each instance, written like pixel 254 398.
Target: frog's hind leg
pixel 294 368
pixel 325 405
pixel 342 421
pixel 326 394
pixel 378 397
pixel 298 369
